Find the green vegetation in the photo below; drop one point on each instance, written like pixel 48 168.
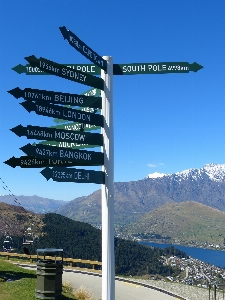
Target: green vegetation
pixel 81 240
pixel 78 239
pixel 138 260
pixel 22 285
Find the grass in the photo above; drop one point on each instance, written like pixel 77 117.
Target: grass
pixel 23 284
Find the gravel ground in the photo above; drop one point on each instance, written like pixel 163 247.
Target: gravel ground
pixel 188 292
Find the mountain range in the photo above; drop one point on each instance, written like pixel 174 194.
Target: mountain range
pixel 33 203
pixel 135 198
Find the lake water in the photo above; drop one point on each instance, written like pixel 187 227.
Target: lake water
pixel 214 257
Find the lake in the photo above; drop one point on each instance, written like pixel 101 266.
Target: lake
pixel 214 257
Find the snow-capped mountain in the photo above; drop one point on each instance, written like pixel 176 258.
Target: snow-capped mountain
pixel 135 198
pixel 215 172
pixel 156 175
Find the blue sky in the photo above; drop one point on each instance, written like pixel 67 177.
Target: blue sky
pixel 162 123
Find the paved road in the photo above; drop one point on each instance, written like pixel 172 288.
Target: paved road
pixel 123 290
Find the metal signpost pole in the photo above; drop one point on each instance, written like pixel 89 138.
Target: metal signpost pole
pixel 108 268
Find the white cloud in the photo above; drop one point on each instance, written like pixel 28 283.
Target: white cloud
pixel 152 165
pixel 155 165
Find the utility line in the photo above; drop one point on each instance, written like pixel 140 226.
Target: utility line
pixel 17 201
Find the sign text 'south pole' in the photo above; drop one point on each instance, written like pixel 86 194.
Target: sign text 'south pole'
pixel 108 268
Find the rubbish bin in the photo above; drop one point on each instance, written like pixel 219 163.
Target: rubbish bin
pixel 49 273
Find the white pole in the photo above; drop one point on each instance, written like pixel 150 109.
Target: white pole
pixel 108 268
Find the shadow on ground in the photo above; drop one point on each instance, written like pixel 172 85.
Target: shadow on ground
pixel 12 275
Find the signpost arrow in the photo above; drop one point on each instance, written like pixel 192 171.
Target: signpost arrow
pixel 76 126
pixel 195 67
pixel 67 145
pixel 19 69
pixel 33 162
pixel 65 72
pixel 84 158
pixel 29 70
pixel 57 97
pixel 80 46
pixel 51 110
pixel 155 68
pixel 60 135
pixel 74 175
pixel 92 92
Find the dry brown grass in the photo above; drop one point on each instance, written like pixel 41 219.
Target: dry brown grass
pixel 82 293
pixel 67 287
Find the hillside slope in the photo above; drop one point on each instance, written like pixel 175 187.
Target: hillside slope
pixel 81 240
pixel 187 222
pixel 15 220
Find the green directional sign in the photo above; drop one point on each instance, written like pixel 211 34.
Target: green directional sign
pixel 81 47
pixel 33 162
pixel 87 109
pixel 77 127
pixel 92 92
pixel 60 135
pixel 155 68
pixel 65 72
pixel 123 69
pixel 74 175
pixel 51 110
pixel 84 158
pixel 29 70
pixel 57 97
pixel 67 145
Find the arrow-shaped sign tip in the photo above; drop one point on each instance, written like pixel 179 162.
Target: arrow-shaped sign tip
pixel 195 67
pixel 27 105
pixel 18 130
pixel 64 32
pixel 47 173
pixel 31 59
pixel 17 93
pixel 26 148
pixel 11 162
pixel 19 69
